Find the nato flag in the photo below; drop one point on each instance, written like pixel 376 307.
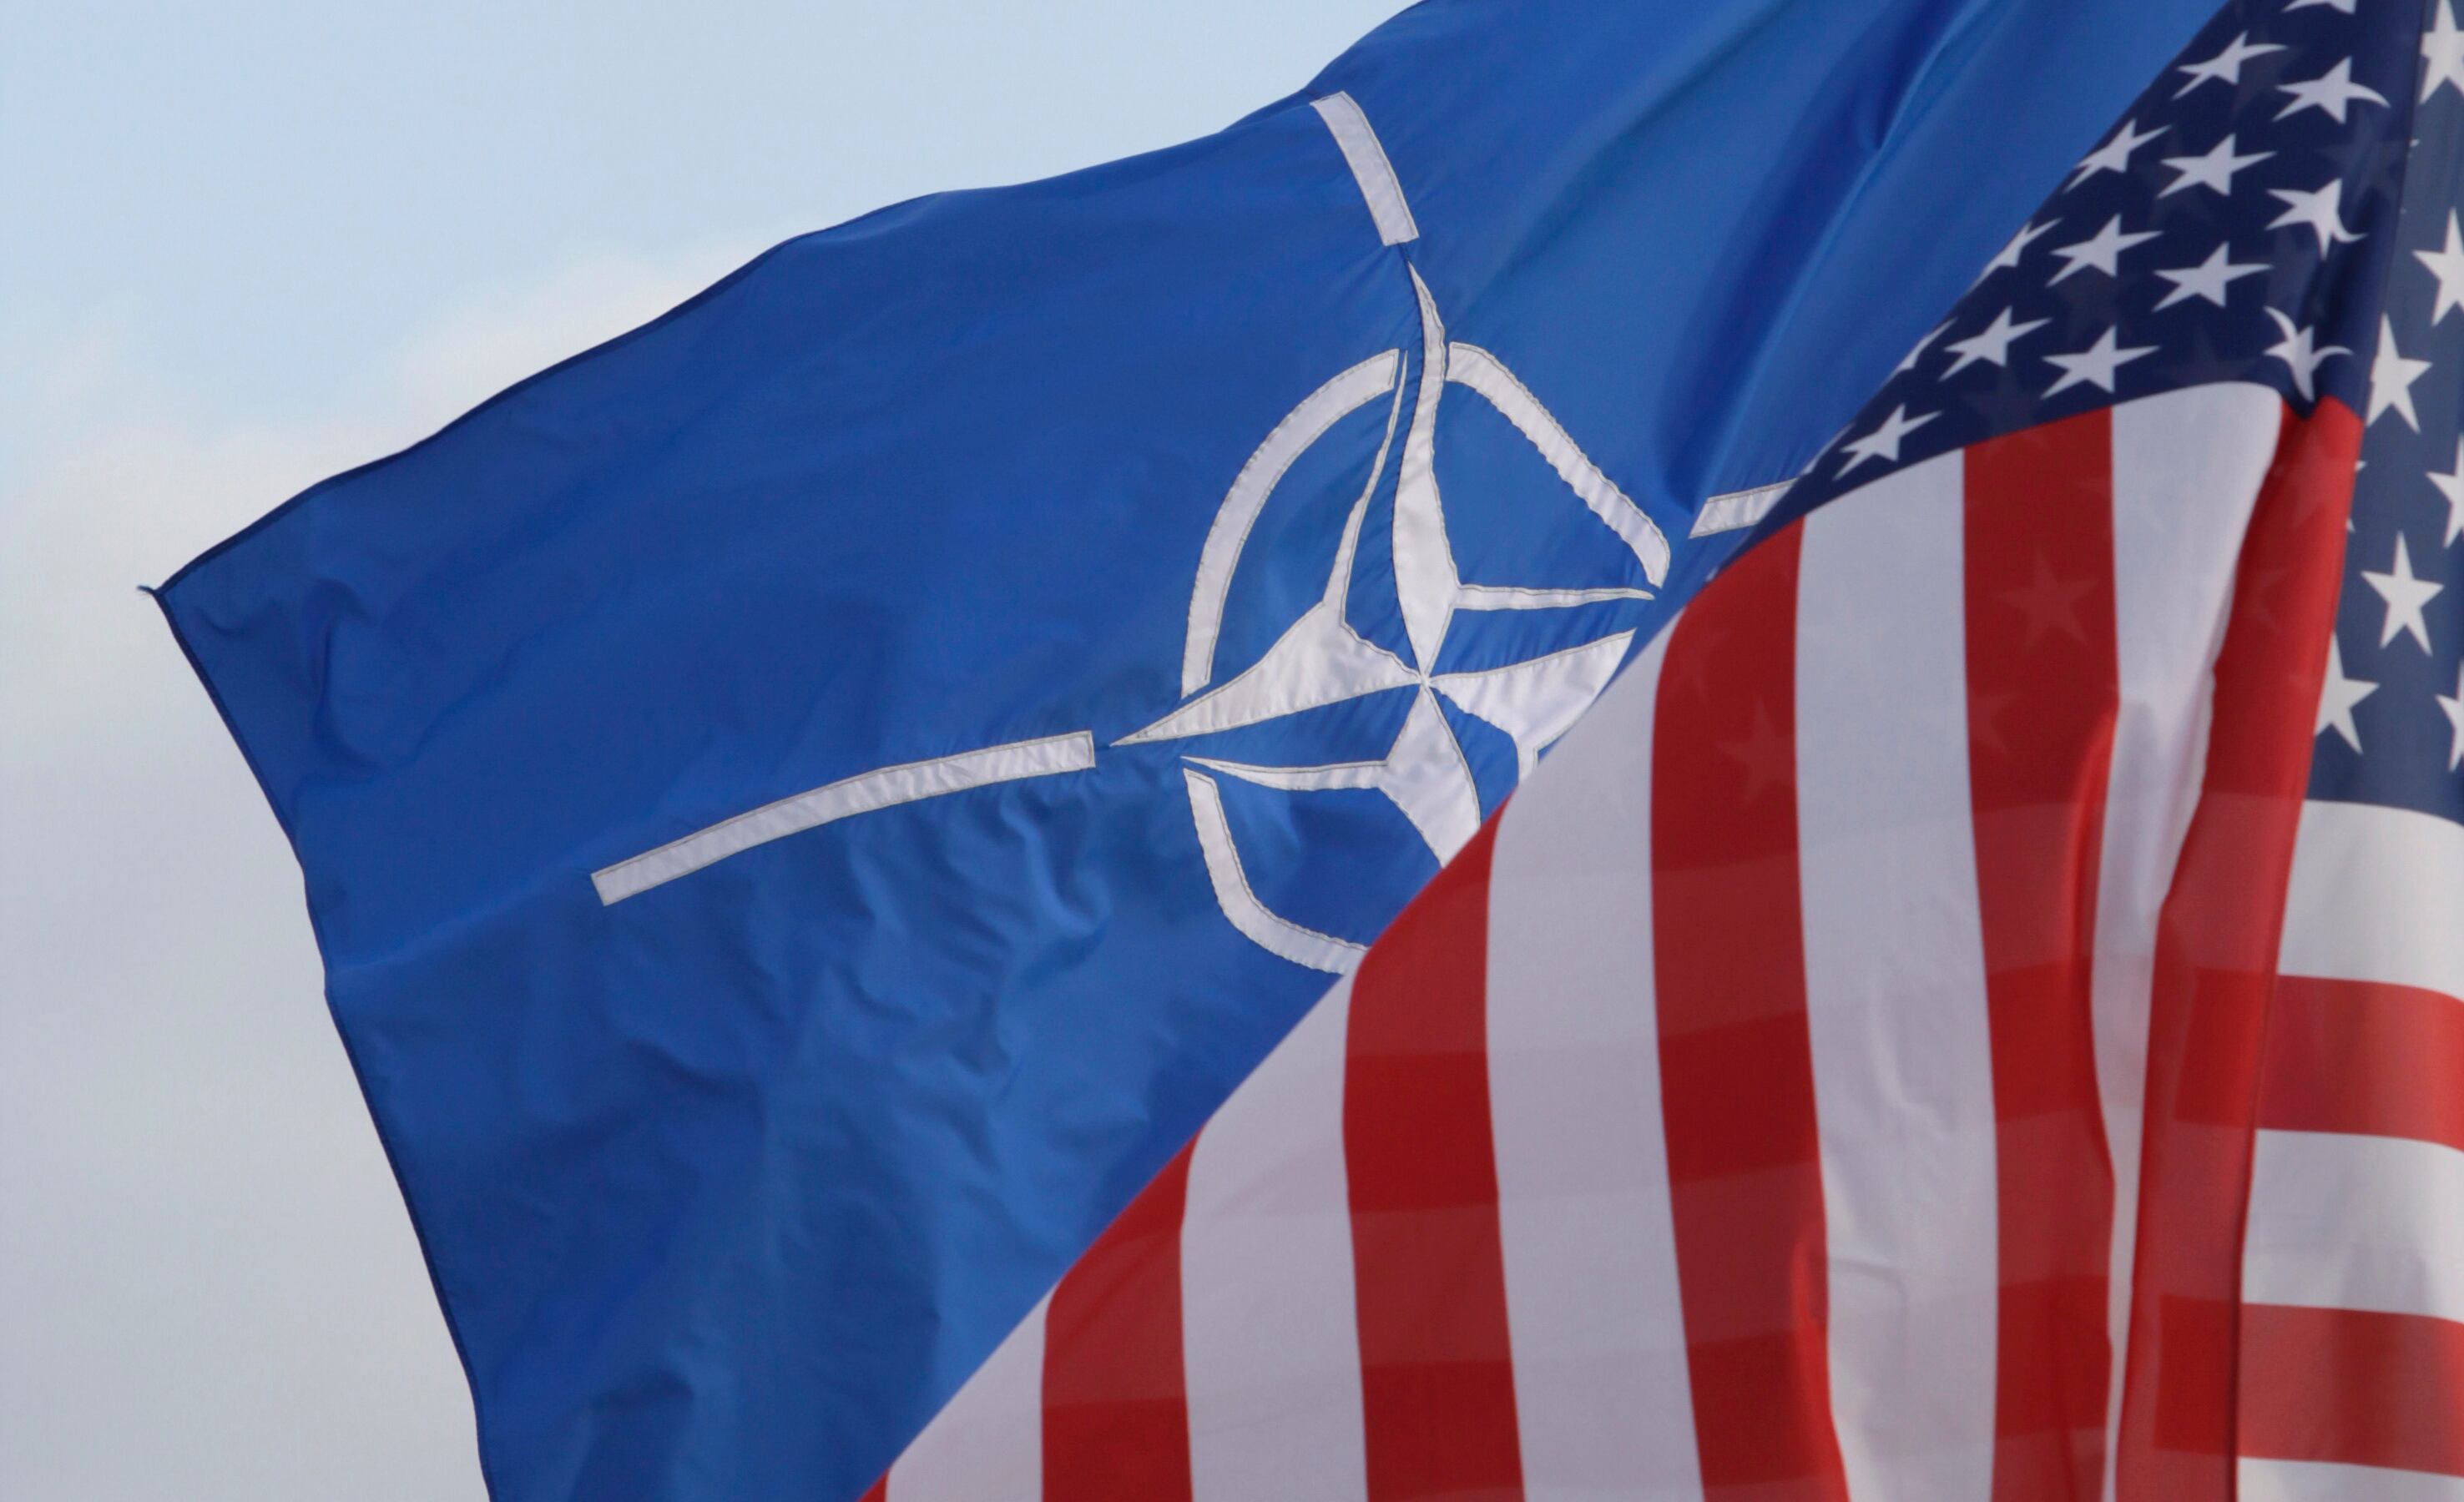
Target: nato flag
pixel 807 806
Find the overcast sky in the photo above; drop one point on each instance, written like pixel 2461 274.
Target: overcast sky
pixel 247 244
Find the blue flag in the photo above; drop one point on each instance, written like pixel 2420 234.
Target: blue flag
pixel 806 806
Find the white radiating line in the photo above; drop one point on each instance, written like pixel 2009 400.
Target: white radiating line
pixel 2310 1481
pixel 2187 471
pixel 987 1445
pixel 1601 1390
pixel 1366 156
pixel 1320 410
pixel 1894 995
pixel 1275 935
pixel 1476 368
pixel 1737 510
pixel 2340 1221
pixel 1497 596
pixel 2372 897
pixel 1271 1345
pixel 864 793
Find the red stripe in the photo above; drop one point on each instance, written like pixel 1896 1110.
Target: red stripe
pixel 2353 1388
pixel 2043 682
pixel 2361 1057
pixel 1736 1061
pixel 1115 1403
pixel 2215 955
pixel 880 1492
pixel 1437 1374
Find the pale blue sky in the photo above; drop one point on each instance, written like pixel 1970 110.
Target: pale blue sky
pixel 245 244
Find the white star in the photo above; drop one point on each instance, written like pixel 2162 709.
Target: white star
pixel 2322 209
pixel 2094 365
pixel 2214 170
pixel 2451 485
pixel 2103 251
pixel 2455 709
pixel 2332 91
pixel 2008 258
pixel 1918 353
pixel 2442 53
pixel 2114 156
pixel 2404 595
pixel 2391 379
pixel 2448 266
pixel 2212 278
pixel 2337 697
pixel 2225 67
pixel 1993 345
pixel 1883 442
pixel 2296 350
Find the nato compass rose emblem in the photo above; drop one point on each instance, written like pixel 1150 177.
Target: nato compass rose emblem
pixel 1321 658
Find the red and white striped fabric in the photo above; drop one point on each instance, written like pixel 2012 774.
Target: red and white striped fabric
pixel 1837 1074
pixel 2353 1274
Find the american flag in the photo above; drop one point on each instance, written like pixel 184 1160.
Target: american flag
pixel 1977 1012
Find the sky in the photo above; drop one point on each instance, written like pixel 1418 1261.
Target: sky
pixel 248 244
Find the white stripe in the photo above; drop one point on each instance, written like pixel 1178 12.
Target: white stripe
pixel 1737 510
pixel 2187 471
pixel 864 793
pixel 1895 987
pixel 2307 1481
pixel 1470 366
pixel 1600 1383
pixel 987 1445
pixel 1320 410
pixel 2373 898
pixel 1273 1349
pixel 1275 935
pixel 1366 156
pixel 2348 1222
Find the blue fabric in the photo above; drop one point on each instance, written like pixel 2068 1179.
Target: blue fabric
pixel 726 1187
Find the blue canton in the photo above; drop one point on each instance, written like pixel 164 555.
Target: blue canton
pixel 2237 225
pixel 2391 722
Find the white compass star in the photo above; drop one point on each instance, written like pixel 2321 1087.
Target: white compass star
pixel 1883 442
pixel 2212 278
pixel 2094 365
pixel 2451 486
pixel 2297 350
pixel 2448 266
pixel 2391 379
pixel 2008 258
pixel 2114 156
pixel 2337 697
pixel 2333 92
pixel 2225 67
pixel 2405 594
pixel 2102 251
pixel 2322 209
pixel 2454 709
pixel 1992 344
pixel 2442 53
pixel 1322 660
pixel 2213 170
